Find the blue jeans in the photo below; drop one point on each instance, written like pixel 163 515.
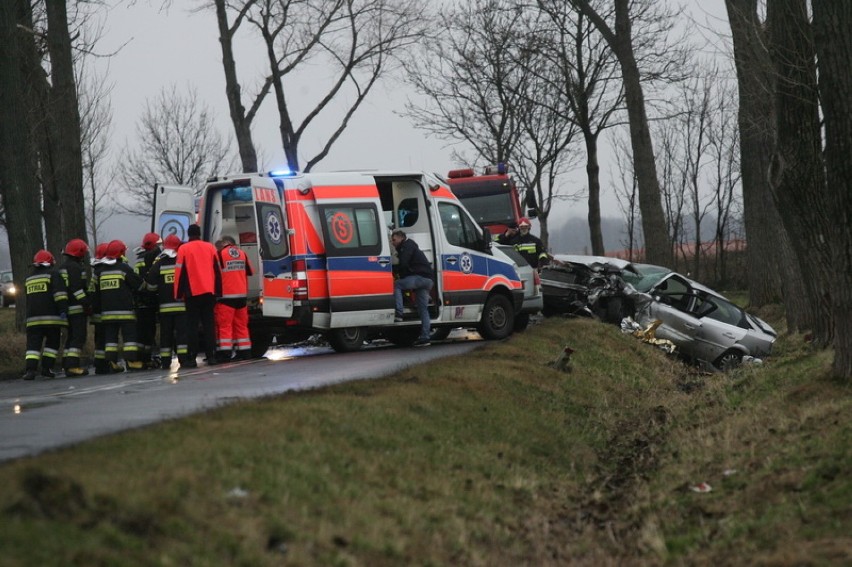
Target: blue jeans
pixel 422 286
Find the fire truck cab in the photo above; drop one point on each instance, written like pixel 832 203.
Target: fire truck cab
pixel 320 245
pixel 492 198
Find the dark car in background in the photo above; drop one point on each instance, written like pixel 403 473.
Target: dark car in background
pixel 8 291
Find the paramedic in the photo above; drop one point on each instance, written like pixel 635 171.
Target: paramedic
pixel 414 272
pixel 232 309
pixel 198 281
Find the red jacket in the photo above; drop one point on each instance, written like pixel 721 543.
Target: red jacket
pixel 236 269
pixel 197 270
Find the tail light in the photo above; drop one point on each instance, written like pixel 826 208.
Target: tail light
pixel 536 280
pixel 300 279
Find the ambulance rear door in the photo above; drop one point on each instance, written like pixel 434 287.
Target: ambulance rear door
pixel 274 268
pixel 174 210
pixel 358 258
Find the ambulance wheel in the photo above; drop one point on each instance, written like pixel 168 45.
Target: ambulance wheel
pixel 403 337
pixel 347 339
pixel 497 318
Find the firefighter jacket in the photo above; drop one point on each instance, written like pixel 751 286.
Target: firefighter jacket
pixel 161 279
pixel 529 246
pixel 116 284
pixel 197 270
pixel 77 286
pixel 47 299
pixel 236 269
pixel 412 260
pixel 144 260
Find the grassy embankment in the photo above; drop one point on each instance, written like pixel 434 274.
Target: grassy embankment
pixel 492 458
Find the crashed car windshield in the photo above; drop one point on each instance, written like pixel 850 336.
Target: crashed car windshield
pixel 644 276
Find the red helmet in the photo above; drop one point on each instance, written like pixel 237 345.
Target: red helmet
pixel 172 242
pixel 43 258
pixel 76 248
pixel 150 240
pixel 116 249
pixel 100 251
pixel 524 221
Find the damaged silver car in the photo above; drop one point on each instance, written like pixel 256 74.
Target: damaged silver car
pixel 703 324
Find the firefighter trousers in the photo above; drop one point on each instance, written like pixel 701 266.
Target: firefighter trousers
pixel 47 336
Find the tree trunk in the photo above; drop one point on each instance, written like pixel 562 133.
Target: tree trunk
pixel 797 177
pixel 242 124
pixel 593 173
pixel 768 243
pixel 64 115
pixel 832 22
pixel 18 178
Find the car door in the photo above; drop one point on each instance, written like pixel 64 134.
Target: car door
pixel 720 330
pixel 673 299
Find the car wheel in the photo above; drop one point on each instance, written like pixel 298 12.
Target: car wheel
pixel 522 321
pixel 729 360
pixel 440 333
pixel 347 339
pixel 497 318
pixel 260 342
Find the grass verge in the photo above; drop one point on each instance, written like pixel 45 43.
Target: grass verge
pixel 493 458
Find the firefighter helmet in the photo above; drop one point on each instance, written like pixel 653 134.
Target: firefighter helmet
pixel 100 251
pixel 116 249
pixel 43 258
pixel 172 242
pixel 524 221
pixel 76 248
pixel 150 240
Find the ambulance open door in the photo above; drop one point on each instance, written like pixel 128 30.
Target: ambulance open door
pixel 174 210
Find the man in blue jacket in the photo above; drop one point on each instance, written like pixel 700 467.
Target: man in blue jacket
pixel 414 272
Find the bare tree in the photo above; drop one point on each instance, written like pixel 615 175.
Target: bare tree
pixel 626 189
pixel 177 142
pixel 588 79
pixel 18 165
pixel 832 22
pixel 96 127
pixel 619 36
pixel 797 172
pixel 356 42
pixel 769 251
pixel 486 84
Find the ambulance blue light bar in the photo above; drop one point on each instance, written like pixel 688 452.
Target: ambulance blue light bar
pixel 499 169
pixel 281 173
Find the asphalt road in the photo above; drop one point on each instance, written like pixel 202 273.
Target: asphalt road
pixel 46 414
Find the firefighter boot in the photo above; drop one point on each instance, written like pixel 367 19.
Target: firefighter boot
pixel 135 365
pixel 47 372
pixel 115 367
pixel 101 366
pixel 76 371
pixel 29 374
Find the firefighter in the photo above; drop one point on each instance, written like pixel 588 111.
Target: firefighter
pixel 146 302
pixel 161 279
pixel 79 305
pixel 232 308
pixel 117 284
pixel 529 246
pixel 198 281
pixel 98 266
pixel 47 313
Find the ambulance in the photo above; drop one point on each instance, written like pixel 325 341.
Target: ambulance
pixel 320 246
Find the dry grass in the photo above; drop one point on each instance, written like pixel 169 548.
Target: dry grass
pixel 494 458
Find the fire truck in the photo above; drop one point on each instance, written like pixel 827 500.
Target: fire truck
pixel 492 197
pixel 323 259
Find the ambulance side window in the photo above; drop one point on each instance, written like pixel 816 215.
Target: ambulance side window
pixel 273 234
pixel 458 228
pixel 408 213
pixel 352 230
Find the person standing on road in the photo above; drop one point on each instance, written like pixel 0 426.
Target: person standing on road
pixel 79 306
pixel 414 272
pixel 232 309
pixel 529 246
pixel 146 302
pixel 47 313
pixel 161 279
pixel 117 285
pixel 98 266
pixel 198 281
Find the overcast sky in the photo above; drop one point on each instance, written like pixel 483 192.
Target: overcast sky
pixel 155 49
